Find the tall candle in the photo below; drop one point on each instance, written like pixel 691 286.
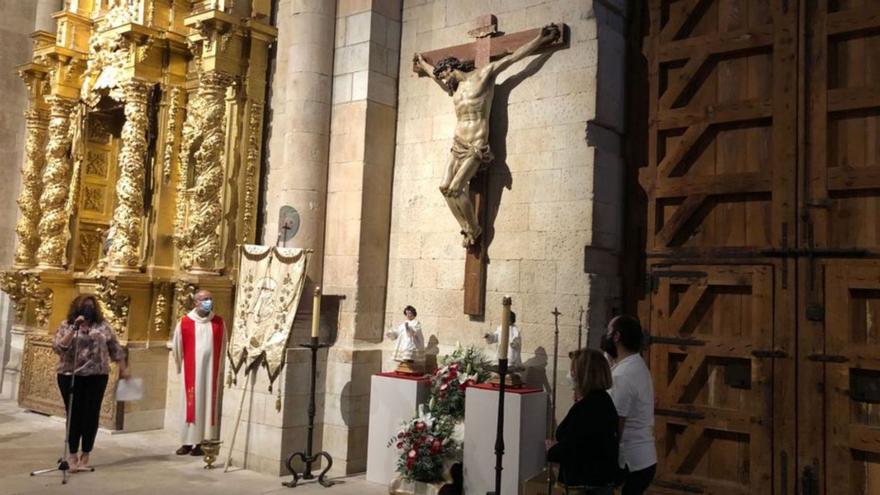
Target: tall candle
pixel 316 312
pixel 503 342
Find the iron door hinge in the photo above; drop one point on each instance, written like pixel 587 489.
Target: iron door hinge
pixel 827 358
pixel 774 354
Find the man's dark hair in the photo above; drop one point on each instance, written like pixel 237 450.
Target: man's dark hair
pixel 410 308
pixel 452 63
pixel 630 331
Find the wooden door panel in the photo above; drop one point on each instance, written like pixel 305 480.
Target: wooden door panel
pixel 844 123
pixel 722 131
pixel 852 375
pixel 713 393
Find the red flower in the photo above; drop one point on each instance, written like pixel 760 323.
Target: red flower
pixel 410 463
pixel 401 435
pixel 420 426
pixel 436 445
pixel 399 445
pixel 412 454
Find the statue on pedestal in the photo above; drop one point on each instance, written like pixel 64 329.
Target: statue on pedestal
pixel 409 352
pixel 514 347
pixel 514 353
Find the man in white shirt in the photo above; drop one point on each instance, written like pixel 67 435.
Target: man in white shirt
pixel 632 391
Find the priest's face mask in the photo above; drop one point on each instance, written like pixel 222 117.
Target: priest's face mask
pixel 204 302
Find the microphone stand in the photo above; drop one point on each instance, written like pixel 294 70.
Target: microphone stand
pixel 63 465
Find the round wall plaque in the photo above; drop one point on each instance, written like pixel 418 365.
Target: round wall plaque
pixel 288 223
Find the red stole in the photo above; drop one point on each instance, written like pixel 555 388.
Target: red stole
pixel 188 338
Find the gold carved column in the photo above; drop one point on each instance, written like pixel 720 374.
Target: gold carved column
pixel 203 150
pixel 53 224
pixel 37 121
pixel 127 225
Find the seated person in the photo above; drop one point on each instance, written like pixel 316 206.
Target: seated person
pixel 587 440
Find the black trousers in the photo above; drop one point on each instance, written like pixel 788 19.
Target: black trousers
pixel 636 482
pixel 88 393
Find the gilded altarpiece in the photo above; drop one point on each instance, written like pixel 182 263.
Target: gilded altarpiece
pixel 143 152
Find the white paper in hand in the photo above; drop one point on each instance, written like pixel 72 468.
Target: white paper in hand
pixel 130 389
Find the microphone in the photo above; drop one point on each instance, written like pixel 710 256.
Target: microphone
pixel 78 322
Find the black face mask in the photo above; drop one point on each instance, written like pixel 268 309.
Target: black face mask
pixel 88 313
pixel 607 345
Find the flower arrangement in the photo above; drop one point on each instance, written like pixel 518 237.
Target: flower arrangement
pixel 424 442
pixel 457 371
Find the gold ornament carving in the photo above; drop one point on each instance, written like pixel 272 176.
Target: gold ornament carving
pixel 127 217
pixel 160 313
pixel 53 222
pixel 184 297
pixel 89 248
pixel 39 386
pixel 204 138
pixel 12 283
pixel 251 175
pixel 43 302
pixel 171 135
pixel 31 187
pixel 113 304
pixel 98 130
pixel 93 198
pixel 96 163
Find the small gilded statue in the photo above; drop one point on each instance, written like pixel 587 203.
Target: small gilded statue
pixel 409 352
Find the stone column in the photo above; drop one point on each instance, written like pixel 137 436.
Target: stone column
pixel 53 229
pixel 31 187
pixel 127 225
pixel 204 141
pixel 300 127
pixel 361 161
pixel 44 20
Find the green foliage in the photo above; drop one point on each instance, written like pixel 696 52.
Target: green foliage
pixel 424 443
pixel 464 367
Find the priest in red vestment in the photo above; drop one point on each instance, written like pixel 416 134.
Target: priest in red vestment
pixel 198 348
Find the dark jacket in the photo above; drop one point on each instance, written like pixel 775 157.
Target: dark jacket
pixel 587 442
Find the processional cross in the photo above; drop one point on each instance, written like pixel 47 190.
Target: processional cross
pixel 467 72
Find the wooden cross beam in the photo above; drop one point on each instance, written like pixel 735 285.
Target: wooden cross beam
pixel 490 45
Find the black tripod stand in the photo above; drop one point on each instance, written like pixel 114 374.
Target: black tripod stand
pixel 63 465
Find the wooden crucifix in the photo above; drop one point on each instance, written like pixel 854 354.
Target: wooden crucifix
pixel 467 73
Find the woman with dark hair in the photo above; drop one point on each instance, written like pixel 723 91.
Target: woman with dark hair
pixel 587 440
pixel 94 343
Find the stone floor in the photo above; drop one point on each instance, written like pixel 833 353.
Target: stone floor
pixel 130 463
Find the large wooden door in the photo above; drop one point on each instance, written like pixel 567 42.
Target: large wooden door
pixel 839 355
pixel 721 181
pixel 762 243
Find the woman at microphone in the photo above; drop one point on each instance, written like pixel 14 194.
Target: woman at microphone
pixel 85 333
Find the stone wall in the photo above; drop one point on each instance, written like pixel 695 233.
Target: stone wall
pixel 16 24
pixel 555 185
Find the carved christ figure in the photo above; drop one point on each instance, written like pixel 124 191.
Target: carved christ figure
pixel 472 91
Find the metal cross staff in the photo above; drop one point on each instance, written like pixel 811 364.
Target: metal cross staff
pixel 580 328
pixel 556 314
